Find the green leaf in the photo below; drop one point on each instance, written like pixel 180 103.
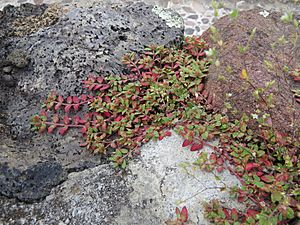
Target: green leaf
pixel 276 196
pixel 290 213
pixel 259 184
pixel 124 164
pixel 234 14
pixel 124 150
pixel 263 219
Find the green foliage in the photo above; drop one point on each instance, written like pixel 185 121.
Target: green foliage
pixel 165 90
pixel 163 87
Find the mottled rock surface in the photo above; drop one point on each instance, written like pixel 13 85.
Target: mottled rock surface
pixel 161 179
pixel 57 54
pixel 265 60
pixel 93 196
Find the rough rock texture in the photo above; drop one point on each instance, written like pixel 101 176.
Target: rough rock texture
pixel 155 184
pixel 263 65
pixel 33 183
pixel 58 54
pixel 93 196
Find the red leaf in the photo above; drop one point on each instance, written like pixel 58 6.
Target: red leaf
pixel 144 83
pixel 83 144
pixel 55 118
pixel 57 106
pixel 134 97
pixel 259 174
pixel 63 130
pixel 169 114
pixel 250 166
pixel 106 114
pixel 205 93
pixel 186 143
pixel 76 119
pixel 76 107
pixel 43 113
pixel 97 86
pixel 201 54
pixel 282 177
pixel 145 118
pixel 69 100
pixel 220 169
pixel 168 133
pixel 100 80
pixel 197 146
pixel 161 137
pixel 107 99
pixel 104 87
pixel 226 213
pixel 60 99
pixel 51 128
pixel 75 99
pixel 119 118
pixel 83 130
pixel 267 163
pixel 213 157
pixel 104 126
pixel 234 214
pixel 184 214
pixel 296 78
pixel 91 87
pixel 83 97
pixel 220 161
pixel 251 213
pixel 66 120
pixel 201 87
pixel 67 108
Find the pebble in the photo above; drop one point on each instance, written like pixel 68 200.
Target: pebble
pixel 188 9
pixel 205 20
pixel 189 31
pixel 191 23
pixel 193 17
pixel 7 69
pixel 8 80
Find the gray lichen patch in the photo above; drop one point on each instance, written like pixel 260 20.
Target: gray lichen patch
pixel 172 19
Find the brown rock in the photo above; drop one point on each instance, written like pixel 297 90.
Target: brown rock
pixel 264 62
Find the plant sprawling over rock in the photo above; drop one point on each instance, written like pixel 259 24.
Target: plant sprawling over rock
pixel 165 89
pixel 165 85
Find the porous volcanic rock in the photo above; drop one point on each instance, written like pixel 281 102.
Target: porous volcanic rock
pixel 264 62
pixel 49 48
pixel 92 196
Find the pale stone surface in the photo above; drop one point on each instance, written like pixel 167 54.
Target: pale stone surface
pixel 155 184
pixel 164 178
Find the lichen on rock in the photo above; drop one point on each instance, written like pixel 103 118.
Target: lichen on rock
pixel 172 19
